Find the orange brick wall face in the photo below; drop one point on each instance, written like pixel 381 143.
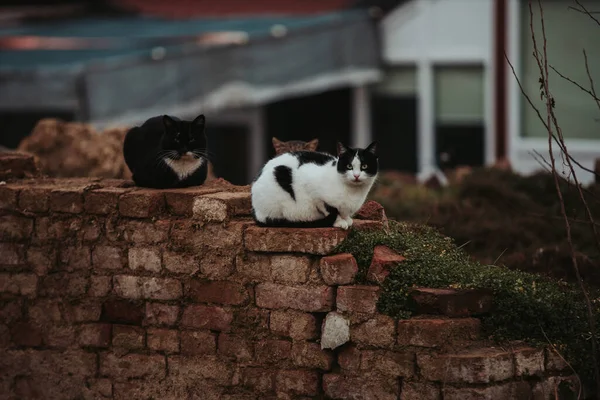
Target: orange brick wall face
pixel 115 292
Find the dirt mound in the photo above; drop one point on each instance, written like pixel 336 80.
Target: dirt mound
pixel 70 149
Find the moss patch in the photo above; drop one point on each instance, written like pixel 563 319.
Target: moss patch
pixel 527 306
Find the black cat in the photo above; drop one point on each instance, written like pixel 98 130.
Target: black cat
pixel 166 152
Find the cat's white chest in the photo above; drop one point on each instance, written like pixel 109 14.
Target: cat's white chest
pixel 185 166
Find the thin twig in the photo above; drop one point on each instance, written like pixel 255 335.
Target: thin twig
pixel 575 83
pixel 587 70
pixel 564 360
pixel 585 11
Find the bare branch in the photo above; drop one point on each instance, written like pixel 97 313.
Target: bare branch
pixel 591 93
pixel 585 11
pixel 587 69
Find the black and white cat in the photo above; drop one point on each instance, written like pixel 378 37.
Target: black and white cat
pixel 314 189
pixel 166 152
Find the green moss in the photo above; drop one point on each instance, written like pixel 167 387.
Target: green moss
pixel 527 306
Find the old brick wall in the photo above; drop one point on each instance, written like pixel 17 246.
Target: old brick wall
pixel 109 291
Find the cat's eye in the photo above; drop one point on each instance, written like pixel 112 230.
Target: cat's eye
pixel 349 166
pixel 363 167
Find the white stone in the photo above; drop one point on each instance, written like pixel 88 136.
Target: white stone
pixel 335 331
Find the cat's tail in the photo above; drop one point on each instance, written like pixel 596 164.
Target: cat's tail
pixel 326 222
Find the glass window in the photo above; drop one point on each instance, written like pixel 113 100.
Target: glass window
pixel 459 94
pixel 568 32
pixel 398 81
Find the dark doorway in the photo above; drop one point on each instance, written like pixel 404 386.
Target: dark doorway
pixel 15 125
pixel 394 126
pixel 228 146
pixel 325 116
pixel 460 145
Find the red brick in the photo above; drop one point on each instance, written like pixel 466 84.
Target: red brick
pixel 379 331
pixel 107 257
pixel 151 367
pixel 371 210
pixel 529 361
pixel 67 200
pixel 511 390
pixel 85 311
pixel 181 201
pixel 91 230
pixel 13 227
pixel 437 332
pixel 197 368
pixel 12 254
pixel 361 299
pixel 254 267
pixel 251 319
pixel 419 391
pixel 221 292
pixel 59 336
pixel 555 362
pixel 206 317
pixel 363 225
pixel 75 258
pixel 472 366
pixel 41 259
pixel 218 266
pixel 235 346
pixel 138 232
pixel 34 199
pixel 26 334
pixel 388 363
pixel 23 284
pixel 161 314
pixel 294 324
pixel 103 201
pixel 259 380
pixel 145 258
pixel 290 240
pixel 270 351
pixel 135 287
pixel 451 302
pixel 128 337
pixel 143 203
pixel 218 207
pixel 100 286
pixel 94 335
pixel 42 312
pixel 339 269
pixel 64 284
pixel 198 343
pixel 298 382
pixel 180 263
pixel 216 237
pixel 166 340
pixel 364 387
pixel 8 197
pixel 310 355
pixel 311 299
pixel 58 229
pixel 290 269
pixel 122 312
pixel 15 165
pixel 383 261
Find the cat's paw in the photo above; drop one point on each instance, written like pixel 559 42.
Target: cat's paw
pixel 341 223
pixel 349 221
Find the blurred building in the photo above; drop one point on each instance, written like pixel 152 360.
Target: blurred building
pixel 426 78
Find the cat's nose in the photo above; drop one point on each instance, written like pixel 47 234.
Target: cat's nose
pixel 356 176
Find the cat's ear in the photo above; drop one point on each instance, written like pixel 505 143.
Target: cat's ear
pixel 341 148
pixel 276 142
pixel 372 148
pixel 170 124
pixel 199 121
pixel 313 144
